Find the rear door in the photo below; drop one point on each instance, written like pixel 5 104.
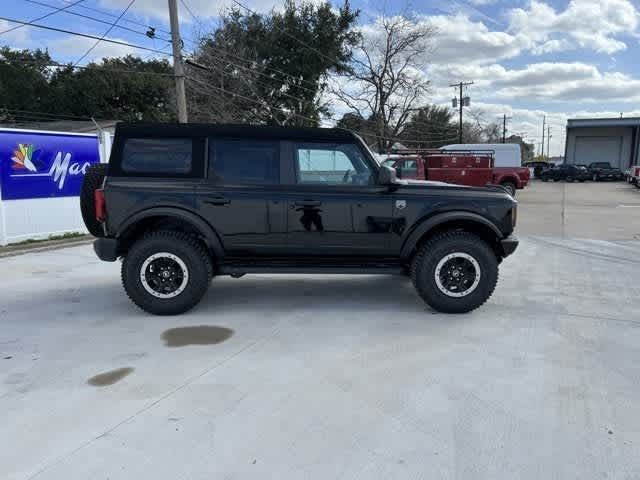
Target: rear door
pixel 334 206
pixel 241 196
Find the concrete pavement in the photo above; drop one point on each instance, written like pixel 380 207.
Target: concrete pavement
pixel 324 377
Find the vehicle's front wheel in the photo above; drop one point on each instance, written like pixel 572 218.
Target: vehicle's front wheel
pixel 166 272
pixel 455 272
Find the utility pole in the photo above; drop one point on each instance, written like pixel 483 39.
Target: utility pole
pixel 504 127
pixel 548 140
pixel 544 120
pixel 462 102
pixel 178 68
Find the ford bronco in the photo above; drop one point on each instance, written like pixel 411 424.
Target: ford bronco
pixel 180 204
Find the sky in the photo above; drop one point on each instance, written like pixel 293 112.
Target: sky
pixel 527 58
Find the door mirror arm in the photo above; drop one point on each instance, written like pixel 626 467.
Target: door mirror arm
pixel 387 175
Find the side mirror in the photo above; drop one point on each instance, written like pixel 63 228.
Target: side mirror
pixel 386 175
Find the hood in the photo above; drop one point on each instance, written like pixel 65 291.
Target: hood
pixel 428 183
pixel 431 187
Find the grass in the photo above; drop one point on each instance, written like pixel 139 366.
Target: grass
pixel 64 236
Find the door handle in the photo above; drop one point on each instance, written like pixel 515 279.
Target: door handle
pixel 218 201
pixel 307 203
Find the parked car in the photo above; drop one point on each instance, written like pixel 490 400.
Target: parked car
pixel 507 165
pixel 604 171
pixel 182 203
pixel 569 173
pixel 537 167
pixel 632 175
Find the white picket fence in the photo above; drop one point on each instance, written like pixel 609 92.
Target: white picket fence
pixel 40 218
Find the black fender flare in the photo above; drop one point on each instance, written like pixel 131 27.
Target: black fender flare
pixel 200 224
pixel 438 219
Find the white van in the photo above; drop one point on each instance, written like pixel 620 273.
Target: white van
pixel 505 154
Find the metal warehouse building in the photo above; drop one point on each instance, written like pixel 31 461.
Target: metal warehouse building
pixel 613 140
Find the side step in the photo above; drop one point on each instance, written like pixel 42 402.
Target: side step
pixel 240 266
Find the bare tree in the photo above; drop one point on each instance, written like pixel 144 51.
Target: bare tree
pixel 386 82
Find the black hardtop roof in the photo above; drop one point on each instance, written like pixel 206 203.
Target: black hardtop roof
pixel 232 130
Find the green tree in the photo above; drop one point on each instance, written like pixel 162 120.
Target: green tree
pixel 430 127
pixel 24 79
pixel 128 88
pixel 271 68
pixel 366 128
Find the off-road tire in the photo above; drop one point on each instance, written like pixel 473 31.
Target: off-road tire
pixel 423 270
pixel 93 178
pixel 509 187
pixel 184 246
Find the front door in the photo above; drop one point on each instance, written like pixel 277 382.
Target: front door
pixel 334 206
pixel 241 197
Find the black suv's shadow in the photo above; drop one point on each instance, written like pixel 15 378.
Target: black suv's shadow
pixel 257 293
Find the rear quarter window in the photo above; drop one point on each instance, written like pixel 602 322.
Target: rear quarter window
pixel 165 156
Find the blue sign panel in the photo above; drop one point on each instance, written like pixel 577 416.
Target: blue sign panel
pixel 44 165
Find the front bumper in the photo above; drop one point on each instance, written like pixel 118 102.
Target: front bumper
pixel 509 245
pixel 106 249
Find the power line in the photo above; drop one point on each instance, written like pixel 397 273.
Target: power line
pixel 60 9
pixel 43 114
pixel 111 27
pixel 293 37
pixel 186 6
pixel 86 67
pixel 263 103
pixel 109 14
pixel 89 17
pixel 85 35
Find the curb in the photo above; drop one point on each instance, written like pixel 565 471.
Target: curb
pixel 45 246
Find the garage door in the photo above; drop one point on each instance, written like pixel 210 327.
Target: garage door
pixel 598 149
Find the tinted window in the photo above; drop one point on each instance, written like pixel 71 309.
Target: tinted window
pixel 244 161
pixel 157 155
pixel 341 164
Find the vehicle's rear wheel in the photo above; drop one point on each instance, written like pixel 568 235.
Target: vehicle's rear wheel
pixel 166 272
pixel 455 272
pixel 510 187
pixel 93 178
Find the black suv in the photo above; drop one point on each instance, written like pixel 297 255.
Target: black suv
pixel 183 203
pixel 567 172
pixel 604 170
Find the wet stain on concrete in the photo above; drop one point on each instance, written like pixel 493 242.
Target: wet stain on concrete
pixel 198 335
pixel 109 378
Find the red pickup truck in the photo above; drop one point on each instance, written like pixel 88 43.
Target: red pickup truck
pixel 462 167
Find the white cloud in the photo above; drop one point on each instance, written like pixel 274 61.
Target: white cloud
pixel 461 40
pixel 18 38
pixel 590 24
pixel 202 9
